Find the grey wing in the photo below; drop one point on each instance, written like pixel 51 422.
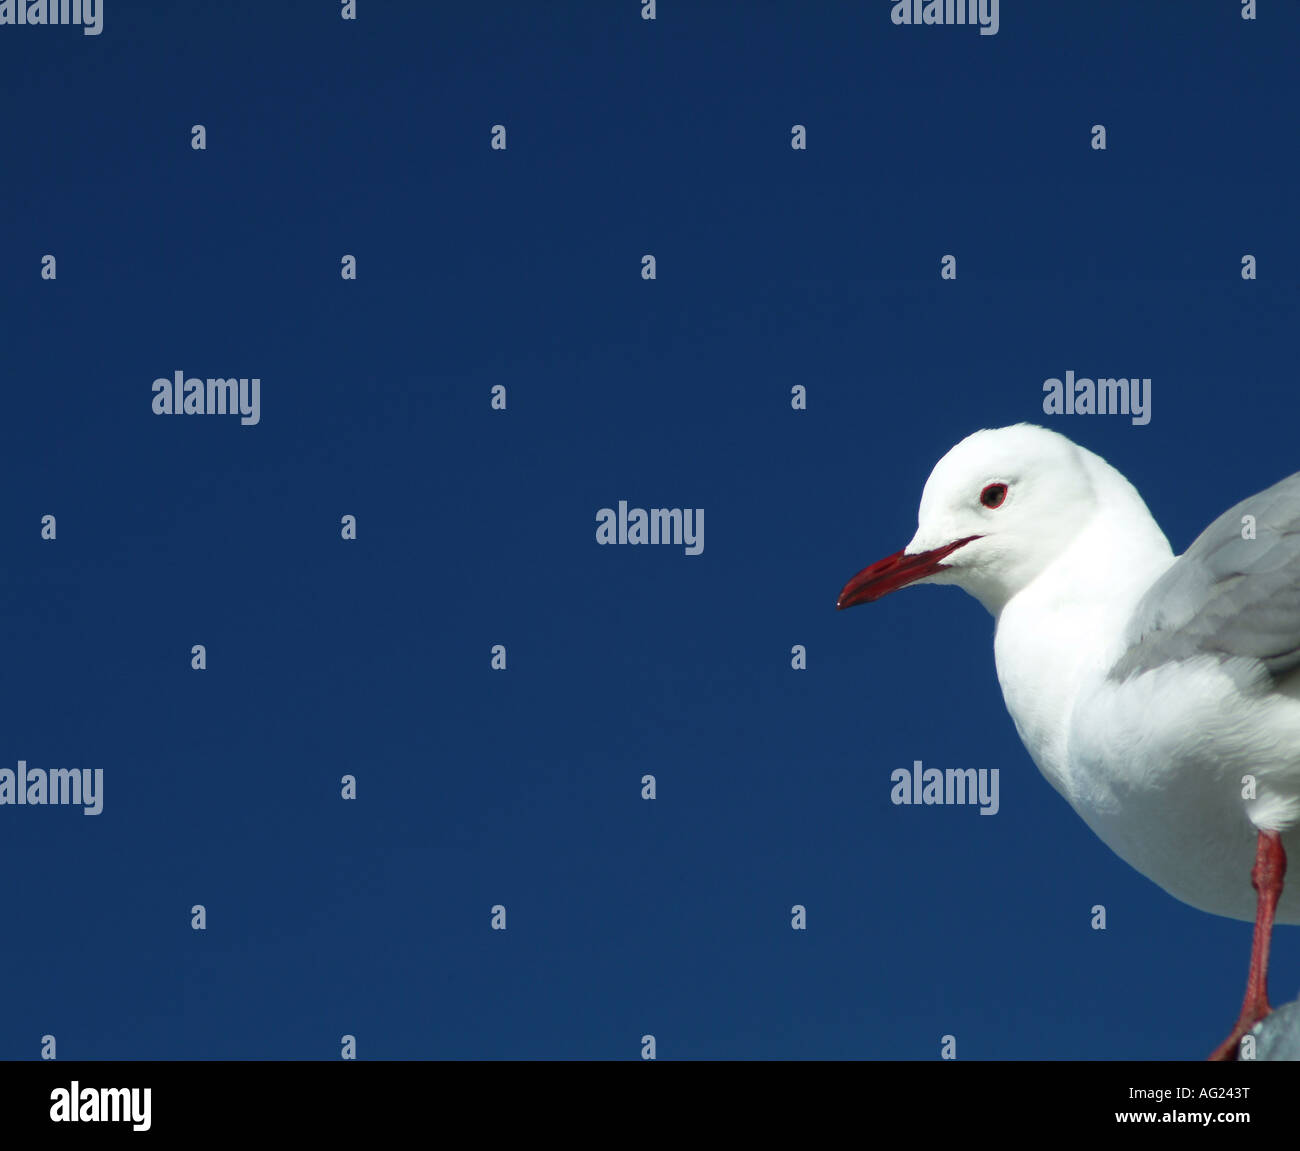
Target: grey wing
pixel 1227 595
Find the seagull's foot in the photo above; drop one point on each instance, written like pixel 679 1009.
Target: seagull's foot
pixel 1266 877
pixel 1227 1051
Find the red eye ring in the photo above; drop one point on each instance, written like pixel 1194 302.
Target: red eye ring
pixel 993 495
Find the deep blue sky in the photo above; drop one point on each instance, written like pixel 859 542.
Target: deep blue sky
pixel 476 527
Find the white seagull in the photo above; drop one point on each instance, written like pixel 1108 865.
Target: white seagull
pixel 1160 695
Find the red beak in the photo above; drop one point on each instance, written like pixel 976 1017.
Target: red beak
pixel 893 572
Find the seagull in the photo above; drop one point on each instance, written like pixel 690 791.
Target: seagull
pixel 1158 694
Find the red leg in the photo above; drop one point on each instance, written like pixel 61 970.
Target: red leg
pixel 1266 877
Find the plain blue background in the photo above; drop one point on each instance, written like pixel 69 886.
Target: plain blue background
pixel 522 268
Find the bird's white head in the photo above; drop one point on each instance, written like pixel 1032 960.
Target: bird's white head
pixel 996 511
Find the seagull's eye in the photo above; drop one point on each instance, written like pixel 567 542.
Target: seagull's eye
pixel 993 495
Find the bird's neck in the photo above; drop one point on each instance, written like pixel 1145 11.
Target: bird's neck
pixel 1065 630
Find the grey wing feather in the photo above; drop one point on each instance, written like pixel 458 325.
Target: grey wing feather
pixel 1227 596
